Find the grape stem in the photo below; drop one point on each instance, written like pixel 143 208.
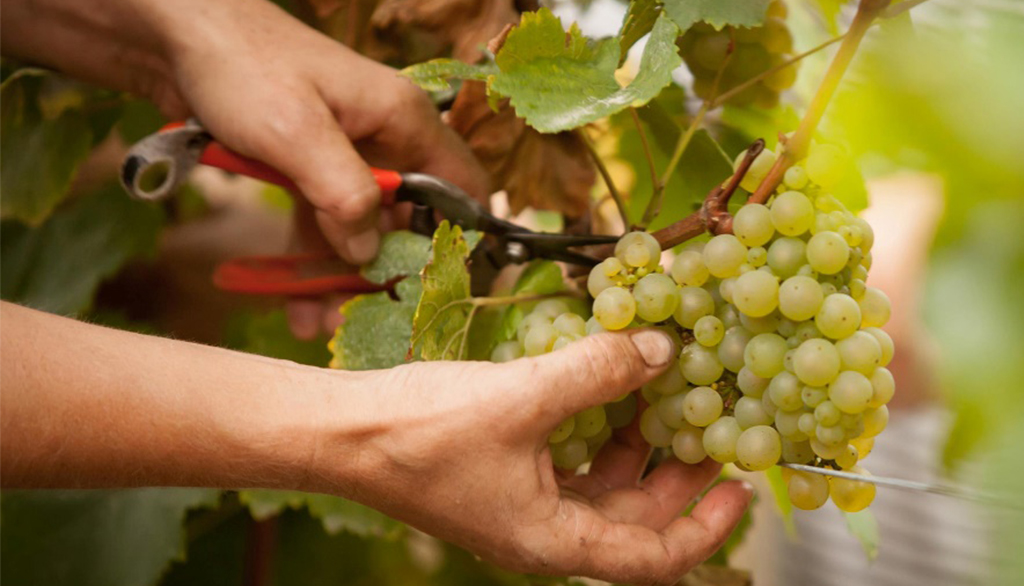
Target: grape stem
pixel 796 147
pixel 714 214
pixel 606 176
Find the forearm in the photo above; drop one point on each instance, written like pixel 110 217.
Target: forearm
pixel 87 406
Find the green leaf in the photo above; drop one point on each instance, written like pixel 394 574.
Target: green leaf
pixel 441 323
pixel 781 493
pixel 269 335
pixel 140 119
pixel 95 537
pixel 39 155
pixel 639 20
pixel 377 329
pixel 558 81
pixel 57 266
pixel 864 527
pixel 335 513
pixel 216 549
pixel 402 254
pixel 433 75
pixel 717 13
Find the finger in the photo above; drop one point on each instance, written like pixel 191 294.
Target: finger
pixel 619 464
pixel 304 317
pixel 595 370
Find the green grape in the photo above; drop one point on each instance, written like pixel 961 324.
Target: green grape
pixel 650 395
pixel 709 331
pixel 527 324
pixel 723 255
pixel 589 422
pixel 777 81
pixel 694 303
pixel 758 169
pixel 688 269
pixel 752 224
pixel 825 165
pixel 867 234
pixel 786 256
pixel 777 38
pixel 857 289
pixel 827 413
pixel 688 445
pixel 864 446
pixel 759 448
pixel 571 324
pixel 669 382
pixel 540 339
pixel 570 454
pixel 656 297
pixel 725 288
pixel 636 255
pixel 621 413
pixel 839 316
pixel 756 293
pixel 786 327
pixel 785 391
pixel 826 452
pixel 729 315
pixel 807 330
pixel 860 352
pixel 796 176
pixel 593 327
pixel 885 342
pixel 702 406
pixel 746 268
pixel 563 431
pixel 807 423
pixel 800 298
pixel 851 234
pixel 757 256
pixel 750 384
pixel 709 51
pixel 848 459
pixel 764 355
pixel 670 410
pixel 654 430
pixel 883 387
pixel 850 392
pixel 562 341
pixel 816 362
pixel 875 308
pixel 749 412
pixel 551 308
pixel 700 365
pixel 642 240
pixel 507 351
pixel 828 289
pixel 614 308
pixel 760 325
pixel 827 253
pixel 598 281
pixel 769 406
pixel 612 266
pixel 851 495
pixel 788 425
pixel 787 359
pixel 830 435
pixel 808 491
pixel 796 452
pixel 813 396
pixel 875 421
pixel 720 439
pixel 792 213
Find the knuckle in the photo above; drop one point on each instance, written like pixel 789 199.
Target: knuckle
pixel 355 203
pixel 612 359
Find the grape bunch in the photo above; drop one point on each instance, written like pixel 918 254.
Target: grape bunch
pixel 548 327
pixel 782 356
pixel 757 50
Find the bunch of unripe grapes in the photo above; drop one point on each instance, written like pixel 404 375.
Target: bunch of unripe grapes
pixel 782 356
pixel 757 50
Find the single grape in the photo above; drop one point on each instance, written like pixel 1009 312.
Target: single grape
pixel 669 382
pixel 694 303
pixel 757 256
pixel 800 298
pixel 507 351
pixel 642 240
pixel 752 224
pixel 857 289
pixel 709 331
pixel 851 495
pixel 885 342
pixel 785 391
pixel 589 422
pixel 563 431
pixel 614 308
pixel 807 423
pixel 787 360
pixel 827 252
pixel 867 234
pixel 813 396
pixel 860 352
pixel 875 421
pixel 725 288
pixel 729 315
pixel 830 435
pixel 563 340
pixel 759 448
pixel 760 325
pixel 826 452
pixel 756 293
pixel 612 266
pixel 593 327
pixel 816 362
pixel 769 406
pixel 636 255
pixel 792 213
pixel 827 413
pixel 551 308
pixel 656 297
pixel 883 387
pixel 709 51
pixel 750 384
pixel 796 452
pixel 875 308
pixel 828 289
pixel 720 439
pixel 688 269
pixel 621 413
pixel 788 425
pixel 670 410
pixel 796 176
pixel 700 365
pixel 527 323
pixel 825 165
pixel 654 430
pixel 807 330
pixel 758 169
pixel 777 38
pixel 864 446
pixel 688 445
pixel 702 406
pixel 848 459
pixel 764 354
pixel 808 491
pixel 540 339
pixel 786 255
pixel 569 454
pixel 723 255
pixel 571 324
pixel 850 392
pixel 749 412
pixel 839 316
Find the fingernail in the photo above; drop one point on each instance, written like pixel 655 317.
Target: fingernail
pixel 655 347
pixel 749 488
pixel 362 247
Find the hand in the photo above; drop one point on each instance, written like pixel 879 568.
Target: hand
pixel 459 449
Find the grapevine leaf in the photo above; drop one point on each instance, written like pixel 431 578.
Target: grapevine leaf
pixel 442 320
pixel 540 277
pixel 558 80
pixel 755 123
pixel 335 513
pixel 639 20
pixel 433 75
pixel 57 266
pixel 95 537
pixel 717 13
pixel 216 552
pixel 377 329
pixel 864 527
pixel 851 190
pixel 781 493
pixel 39 155
pixel 402 254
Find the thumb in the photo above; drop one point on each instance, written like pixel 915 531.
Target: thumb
pixel 599 369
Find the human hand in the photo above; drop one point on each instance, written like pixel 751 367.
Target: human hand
pixel 459 450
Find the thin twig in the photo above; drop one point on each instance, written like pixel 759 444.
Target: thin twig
pixel 603 170
pixel 657 187
pixel 715 212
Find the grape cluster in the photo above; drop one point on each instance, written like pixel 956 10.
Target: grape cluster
pixel 757 49
pixel 782 356
pixel 548 327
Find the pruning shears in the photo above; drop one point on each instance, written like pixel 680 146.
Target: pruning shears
pixel 155 166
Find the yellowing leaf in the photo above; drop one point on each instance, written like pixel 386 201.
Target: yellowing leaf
pixel 442 320
pixel 377 329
